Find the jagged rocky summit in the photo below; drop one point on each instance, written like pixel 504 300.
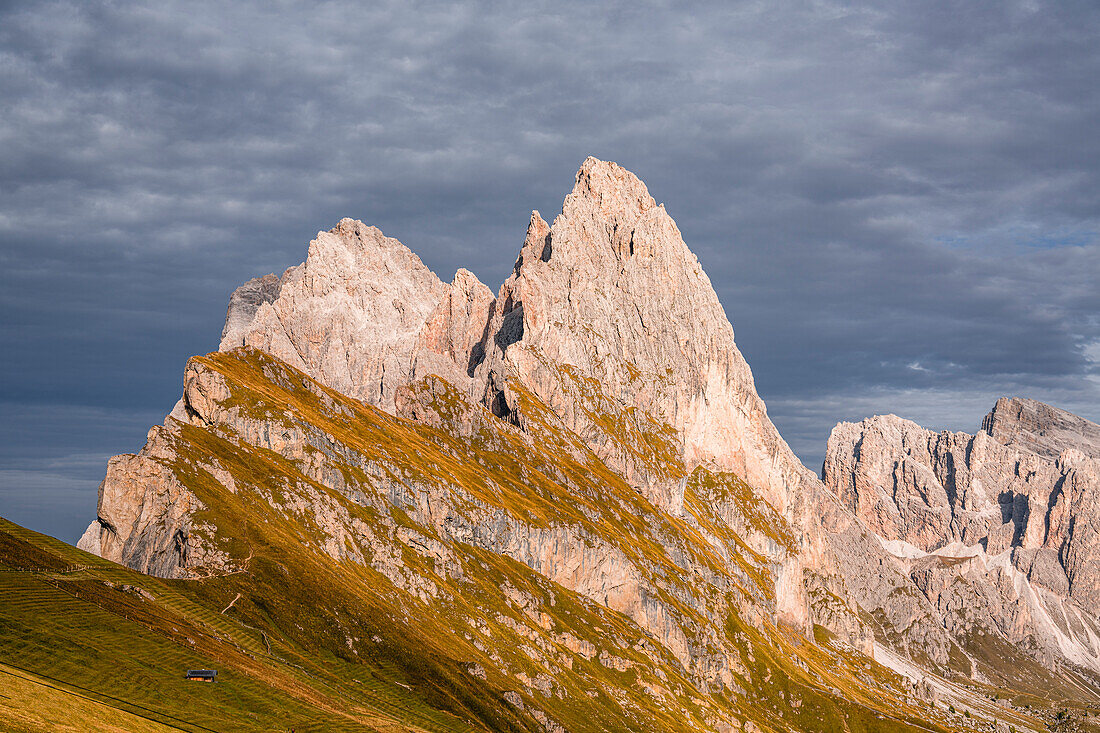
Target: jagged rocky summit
pixel 610 290
pixel 584 453
pixel 1000 530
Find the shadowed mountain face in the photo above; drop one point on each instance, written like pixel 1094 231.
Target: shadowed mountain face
pixel 570 493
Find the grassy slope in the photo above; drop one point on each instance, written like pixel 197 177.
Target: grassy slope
pixel 310 643
pixel 545 487
pixel 108 648
pixel 32 703
pixel 81 653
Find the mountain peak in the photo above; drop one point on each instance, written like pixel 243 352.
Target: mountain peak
pixel 1039 428
pixel 592 433
pixel 610 290
pixel 536 244
pixel 349 315
pixel 618 194
pixel 1021 489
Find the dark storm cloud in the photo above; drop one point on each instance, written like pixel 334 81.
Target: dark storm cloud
pixel 898 207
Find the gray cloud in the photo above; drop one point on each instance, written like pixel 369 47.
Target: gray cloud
pixel 897 206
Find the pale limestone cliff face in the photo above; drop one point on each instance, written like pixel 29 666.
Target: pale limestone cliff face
pixel 350 315
pixel 612 291
pixel 608 318
pixel 606 346
pixel 1035 427
pixel 1012 510
pixel 145 515
pixel 243 304
pixel 448 340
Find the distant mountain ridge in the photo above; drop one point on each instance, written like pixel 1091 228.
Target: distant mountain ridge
pixel 587 450
pixel 1040 428
pixel 1017 504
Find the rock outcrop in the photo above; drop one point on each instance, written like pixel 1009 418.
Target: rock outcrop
pixel 146 514
pixel 1012 510
pixel 1034 427
pixel 611 291
pixel 351 315
pixel 593 424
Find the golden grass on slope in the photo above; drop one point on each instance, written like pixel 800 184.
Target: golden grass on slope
pixel 307 641
pixel 545 476
pixel 94 632
pixel 541 481
pixel 30 703
pixel 323 604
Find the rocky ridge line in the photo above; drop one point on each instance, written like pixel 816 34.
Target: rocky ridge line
pixel 1013 511
pixel 608 338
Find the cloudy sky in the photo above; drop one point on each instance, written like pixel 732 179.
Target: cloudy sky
pixel 900 209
